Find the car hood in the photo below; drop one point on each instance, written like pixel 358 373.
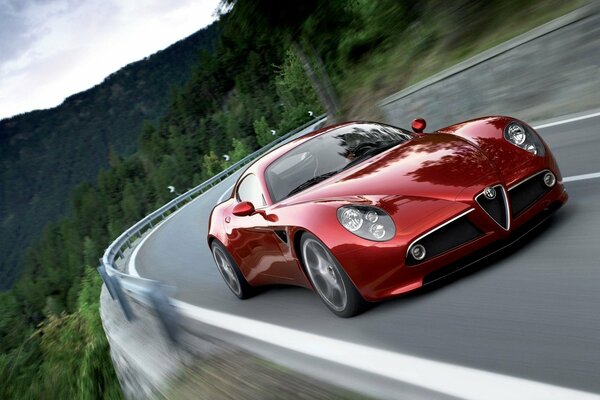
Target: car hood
pixel 436 166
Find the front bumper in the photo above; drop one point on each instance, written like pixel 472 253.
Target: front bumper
pixel 381 272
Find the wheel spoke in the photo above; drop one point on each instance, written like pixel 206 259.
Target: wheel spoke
pixel 328 289
pixel 325 262
pixel 324 273
pixel 337 295
pixel 320 282
pixel 226 270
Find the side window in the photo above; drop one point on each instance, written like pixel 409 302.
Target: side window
pixel 249 190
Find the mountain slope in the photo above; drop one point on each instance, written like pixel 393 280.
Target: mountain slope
pixel 45 153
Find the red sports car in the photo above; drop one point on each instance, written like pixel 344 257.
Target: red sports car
pixel 364 211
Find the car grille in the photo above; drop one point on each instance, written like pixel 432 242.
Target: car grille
pixel 497 207
pixel 495 249
pixel 527 192
pixel 446 237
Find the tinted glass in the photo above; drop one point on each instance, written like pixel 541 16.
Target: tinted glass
pixel 249 190
pixel 328 154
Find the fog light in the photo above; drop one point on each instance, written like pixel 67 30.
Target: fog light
pixel 418 252
pixel 549 179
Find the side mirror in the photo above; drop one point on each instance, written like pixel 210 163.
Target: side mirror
pixel 243 209
pixel 418 125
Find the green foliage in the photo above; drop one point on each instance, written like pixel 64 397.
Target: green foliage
pixel 13 326
pixel 67 356
pixel 19 370
pixel 296 94
pixel 372 27
pixel 262 131
pixel 240 150
pixel 211 165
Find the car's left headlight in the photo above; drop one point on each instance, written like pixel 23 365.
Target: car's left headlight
pixel 368 222
pixel 522 136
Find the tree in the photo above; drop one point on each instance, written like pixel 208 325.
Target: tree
pixel 211 165
pixel 131 203
pixel 12 324
pixel 262 131
pixel 286 19
pixel 240 150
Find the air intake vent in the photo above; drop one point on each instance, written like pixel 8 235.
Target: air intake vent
pixel 527 192
pixel 493 201
pixel 445 237
pixel 282 235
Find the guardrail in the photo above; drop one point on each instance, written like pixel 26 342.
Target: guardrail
pixel 153 293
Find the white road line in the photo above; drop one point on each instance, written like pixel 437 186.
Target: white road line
pixel 454 380
pixel 582 177
pixel 225 193
pixel 568 120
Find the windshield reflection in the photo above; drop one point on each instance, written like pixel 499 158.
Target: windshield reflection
pixel 323 156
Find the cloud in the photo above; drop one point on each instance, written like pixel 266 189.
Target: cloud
pixel 53 49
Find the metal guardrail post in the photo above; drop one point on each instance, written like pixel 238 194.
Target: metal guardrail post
pixel 107 281
pixel 116 292
pixel 166 312
pixel 123 301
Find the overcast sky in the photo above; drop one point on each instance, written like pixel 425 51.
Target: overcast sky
pixel 51 49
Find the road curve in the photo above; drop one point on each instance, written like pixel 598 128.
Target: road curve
pixel 534 314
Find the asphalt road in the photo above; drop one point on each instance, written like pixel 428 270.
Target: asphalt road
pixel 533 314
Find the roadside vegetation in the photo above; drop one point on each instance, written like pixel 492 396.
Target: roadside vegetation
pixel 252 83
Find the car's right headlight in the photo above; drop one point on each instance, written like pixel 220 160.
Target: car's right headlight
pixel 368 222
pixel 522 136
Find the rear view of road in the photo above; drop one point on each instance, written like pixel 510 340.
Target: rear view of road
pixel 533 314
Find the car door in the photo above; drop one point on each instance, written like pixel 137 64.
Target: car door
pixel 253 238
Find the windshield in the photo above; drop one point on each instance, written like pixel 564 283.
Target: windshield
pixel 325 155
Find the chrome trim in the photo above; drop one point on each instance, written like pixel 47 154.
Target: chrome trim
pixel 530 177
pixel 552 177
pixel 506 207
pixel 419 246
pixel 433 230
pixel 490 193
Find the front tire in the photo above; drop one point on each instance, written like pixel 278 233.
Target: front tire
pixel 329 279
pixel 230 272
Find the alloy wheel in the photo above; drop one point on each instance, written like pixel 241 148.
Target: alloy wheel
pixel 227 270
pixel 324 274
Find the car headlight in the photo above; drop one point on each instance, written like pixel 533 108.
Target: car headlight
pixel 368 222
pixel 522 136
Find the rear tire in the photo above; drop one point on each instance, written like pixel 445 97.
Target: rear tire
pixel 329 279
pixel 230 272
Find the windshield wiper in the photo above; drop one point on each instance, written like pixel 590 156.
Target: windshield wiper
pixel 370 153
pixel 310 182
